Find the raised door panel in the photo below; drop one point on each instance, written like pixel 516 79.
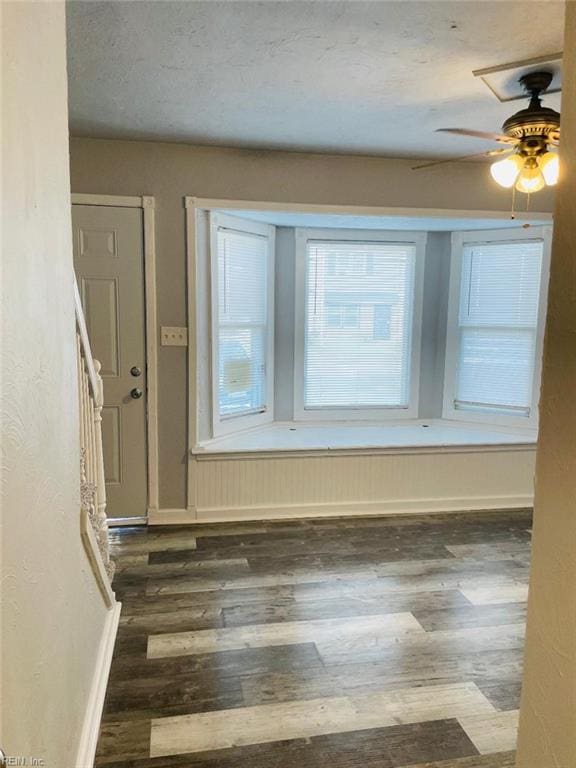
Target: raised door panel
pixel 98 242
pixel 100 301
pixel 112 444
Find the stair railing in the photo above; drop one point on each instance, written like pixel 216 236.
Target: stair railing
pixel 94 524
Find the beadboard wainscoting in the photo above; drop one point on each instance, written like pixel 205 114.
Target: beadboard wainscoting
pixel 273 486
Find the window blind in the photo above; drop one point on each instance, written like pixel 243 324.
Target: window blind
pixel 498 317
pixel 242 313
pixel 358 324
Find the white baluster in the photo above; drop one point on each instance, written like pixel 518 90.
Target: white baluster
pixel 100 477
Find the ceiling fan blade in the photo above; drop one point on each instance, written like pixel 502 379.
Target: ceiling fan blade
pixel 500 137
pixel 490 153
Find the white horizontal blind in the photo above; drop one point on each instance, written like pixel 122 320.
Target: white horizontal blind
pixel 358 326
pixel 242 312
pixel 498 318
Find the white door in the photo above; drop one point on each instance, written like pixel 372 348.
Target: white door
pixel 109 264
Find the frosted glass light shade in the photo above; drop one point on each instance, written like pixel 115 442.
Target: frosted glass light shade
pixel 549 164
pixel 530 180
pixel 505 172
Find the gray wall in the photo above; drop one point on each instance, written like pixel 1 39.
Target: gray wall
pixel 53 615
pixel 170 171
pixel 284 298
pixel 547 734
pixel 434 318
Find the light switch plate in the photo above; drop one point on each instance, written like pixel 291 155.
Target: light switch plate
pixel 173 337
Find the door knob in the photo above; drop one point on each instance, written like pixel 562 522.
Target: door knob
pixel 136 393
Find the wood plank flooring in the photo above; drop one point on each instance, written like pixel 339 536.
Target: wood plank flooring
pixel 352 643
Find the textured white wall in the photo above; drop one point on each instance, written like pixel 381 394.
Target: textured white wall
pixel 548 716
pixel 52 612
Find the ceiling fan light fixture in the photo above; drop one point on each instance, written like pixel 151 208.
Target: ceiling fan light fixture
pixel 549 164
pixel 530 134
pixel 505 172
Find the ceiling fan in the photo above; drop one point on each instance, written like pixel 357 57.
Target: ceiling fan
pixel 528 136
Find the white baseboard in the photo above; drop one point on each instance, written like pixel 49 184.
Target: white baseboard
pixel 117 522
pixel 93 716
pixel 343 509
pixel 171 516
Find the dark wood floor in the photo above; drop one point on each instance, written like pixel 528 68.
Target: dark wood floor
pixel 356 643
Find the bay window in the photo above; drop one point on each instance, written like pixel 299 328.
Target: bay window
pixel 343 343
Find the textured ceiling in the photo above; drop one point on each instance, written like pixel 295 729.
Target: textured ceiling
pixel 367 77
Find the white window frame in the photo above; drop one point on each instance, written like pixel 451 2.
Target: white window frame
pixel 236 423
pixel 303 235
pixel 459 240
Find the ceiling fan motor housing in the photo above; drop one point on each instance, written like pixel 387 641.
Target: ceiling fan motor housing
pixel 536 122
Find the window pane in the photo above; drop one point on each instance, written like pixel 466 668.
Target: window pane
pixel 501 283
pixel 496 367
pixel 241 379
pixel 241 277
pixel 359 299
pixel 498 315
pixel 242 322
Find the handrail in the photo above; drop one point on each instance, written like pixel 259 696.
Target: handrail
pixel 94 524
pixel 95 383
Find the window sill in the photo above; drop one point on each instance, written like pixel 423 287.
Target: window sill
pixel 414 436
